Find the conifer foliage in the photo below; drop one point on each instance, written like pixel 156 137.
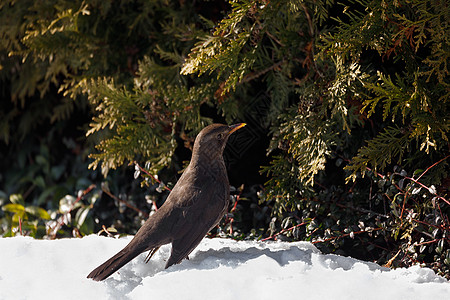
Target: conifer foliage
pixel 357 96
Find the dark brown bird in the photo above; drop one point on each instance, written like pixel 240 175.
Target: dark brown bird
pixel 196 204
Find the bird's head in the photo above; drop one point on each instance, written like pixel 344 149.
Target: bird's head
pixel 211 141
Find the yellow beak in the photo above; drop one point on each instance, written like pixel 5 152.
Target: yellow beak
pixel 235 127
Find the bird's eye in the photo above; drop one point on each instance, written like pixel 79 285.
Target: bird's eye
pixel 220 136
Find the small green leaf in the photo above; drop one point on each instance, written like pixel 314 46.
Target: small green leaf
pixel 41 160
pixel 396 232
pixel 16 199
pixel 46 193
pixel 422 248
pixel 3 197
pixel 440 246
pixel 66 204
pixel 105 186
pixel 57 171
pixel 14 208
pixel 435 232
pixel 39 181
pixel 418 171
pixel 17 217
pixel 81 215
pixel 394 209
pixel 38 212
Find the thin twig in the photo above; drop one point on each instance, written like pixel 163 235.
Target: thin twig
pixel 153 177
pixel 390 261
pixel 429 189
pixel 20 226
pixel 126 203
pixel 438 162
pixel 231 219
pixel 345 234
pixel 104 229
pixel 427 242
pixel 154 204
pixel 60 222
pixel 284 230
pixel 255 75
pixel 313 35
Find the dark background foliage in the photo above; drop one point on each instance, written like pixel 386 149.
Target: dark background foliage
pixel 346 104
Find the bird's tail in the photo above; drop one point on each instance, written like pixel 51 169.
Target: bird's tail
pixel 113 264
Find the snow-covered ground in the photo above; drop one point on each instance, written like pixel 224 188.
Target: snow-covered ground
pixel 217 269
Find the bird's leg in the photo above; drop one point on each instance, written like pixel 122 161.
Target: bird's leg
pixel 150 254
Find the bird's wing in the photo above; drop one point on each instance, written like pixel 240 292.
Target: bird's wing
pixel 206 210
pixel 182 247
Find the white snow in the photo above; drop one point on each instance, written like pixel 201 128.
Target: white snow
pixel 217 269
